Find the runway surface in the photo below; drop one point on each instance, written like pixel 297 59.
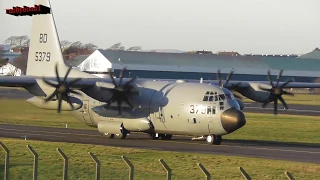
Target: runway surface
pixel 269 150
pixel 294 109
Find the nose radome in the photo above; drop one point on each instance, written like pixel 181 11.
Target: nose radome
pixel 232 119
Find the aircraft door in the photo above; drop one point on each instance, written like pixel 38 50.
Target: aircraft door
pixel 86 112
pixel 159 115
pixel 158 103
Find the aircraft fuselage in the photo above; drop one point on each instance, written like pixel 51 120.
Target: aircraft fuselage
pixel 177 108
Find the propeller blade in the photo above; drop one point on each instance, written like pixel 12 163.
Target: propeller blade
pixel 128 101
pixel 121 75
pixel 69 101
pixel 219 78
pixel 265 104
pixel 275 104
pixel 269 77
pixel 75 92
pixel 57 74
pixel 50 83
pixel 111 76
pixel 51 96
pixel 74 81
pixel 283 102
pixel 130 81
pixel 109 102
pixel 288 81
pixel 59 103
pixel 228 78
pixel 279 76
pixel 65 77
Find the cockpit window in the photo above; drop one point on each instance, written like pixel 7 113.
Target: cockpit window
pixel 222 97
pixel 210 96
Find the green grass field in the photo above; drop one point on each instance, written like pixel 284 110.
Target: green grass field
pixel 146 162
pixel 283 128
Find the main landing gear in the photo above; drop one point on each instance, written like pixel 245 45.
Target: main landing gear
pixel 213 139
pixel 161 136
pixel 122 135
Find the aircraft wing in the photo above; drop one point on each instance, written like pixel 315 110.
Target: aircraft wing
pixel 25 81
pixel 246 84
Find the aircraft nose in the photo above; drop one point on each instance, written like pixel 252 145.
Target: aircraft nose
pixel 232 119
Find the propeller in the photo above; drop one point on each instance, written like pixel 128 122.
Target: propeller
pixel 121 92
pixel 62 88
pixel 276 92
pixel 233 88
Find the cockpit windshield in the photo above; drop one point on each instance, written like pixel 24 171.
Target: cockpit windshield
pixel 213 96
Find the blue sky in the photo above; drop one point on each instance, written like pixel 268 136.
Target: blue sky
pixel 246 26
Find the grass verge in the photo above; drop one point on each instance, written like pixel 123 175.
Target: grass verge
pixel 146 162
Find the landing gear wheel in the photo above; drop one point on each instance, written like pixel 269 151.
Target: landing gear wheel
pixel 153 136
pixel 218 140
pixel 212 139
pixel 123 135
pixel 108 135
pixel 166 136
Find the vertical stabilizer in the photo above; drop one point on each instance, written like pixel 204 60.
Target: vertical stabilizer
pixel 45 51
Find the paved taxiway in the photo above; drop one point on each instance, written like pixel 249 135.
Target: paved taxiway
pixel 294 109
pixel 270 150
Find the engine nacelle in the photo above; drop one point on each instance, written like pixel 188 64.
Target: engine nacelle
pixel 142 124
pixel 53 105
pixel 112 127
pixel 255 93
pixel 240 104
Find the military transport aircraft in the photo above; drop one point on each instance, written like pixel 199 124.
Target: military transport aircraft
pixel 158 108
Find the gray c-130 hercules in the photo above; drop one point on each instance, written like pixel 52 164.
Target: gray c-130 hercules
pixel 158 108
pixel 119 106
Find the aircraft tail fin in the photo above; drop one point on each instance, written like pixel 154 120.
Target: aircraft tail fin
pixel 45 51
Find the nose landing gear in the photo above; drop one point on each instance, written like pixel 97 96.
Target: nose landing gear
pixel 213 139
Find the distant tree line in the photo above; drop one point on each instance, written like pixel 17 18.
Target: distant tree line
pixel 22 43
